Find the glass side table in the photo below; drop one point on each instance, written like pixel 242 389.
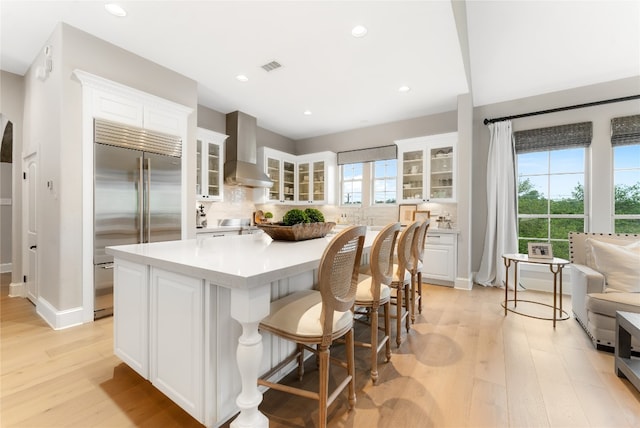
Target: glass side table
pixel 555 266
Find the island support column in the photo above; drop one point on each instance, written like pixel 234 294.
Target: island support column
pixel 249 307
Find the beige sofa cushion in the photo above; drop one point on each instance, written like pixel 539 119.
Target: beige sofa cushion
pixel 608 303
pixel 620 264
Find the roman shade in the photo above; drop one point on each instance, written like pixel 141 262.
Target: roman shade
pixel 368 155
pixel 625 130
pixel 554 137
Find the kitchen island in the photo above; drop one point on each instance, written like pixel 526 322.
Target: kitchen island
pixel 174 309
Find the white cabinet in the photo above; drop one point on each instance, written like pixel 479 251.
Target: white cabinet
pixel 281 168
pixel 428 168
pixel 176 338
pixel 131 315
pixel 440 258
pixel 306 179
pixel 209 165
pixel 316 178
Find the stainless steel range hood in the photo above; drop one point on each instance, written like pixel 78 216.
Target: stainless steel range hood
pixel 241 152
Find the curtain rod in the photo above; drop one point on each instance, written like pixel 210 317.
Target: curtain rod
pixel 553 110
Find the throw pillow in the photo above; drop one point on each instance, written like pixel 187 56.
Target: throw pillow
pixel 620 264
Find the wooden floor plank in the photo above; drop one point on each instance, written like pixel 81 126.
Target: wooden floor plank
pixel 462 364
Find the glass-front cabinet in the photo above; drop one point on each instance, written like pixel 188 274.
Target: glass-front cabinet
pixel 305 179
pixel 312 181
pixel 209 165
pixel 281 168
pixel 428 168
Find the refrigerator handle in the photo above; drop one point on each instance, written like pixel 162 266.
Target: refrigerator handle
pixel 140 201
pixel 147 198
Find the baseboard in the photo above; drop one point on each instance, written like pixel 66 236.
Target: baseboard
pixel 5 267
pixel 17 289
pixel 58 320
pixel 463 284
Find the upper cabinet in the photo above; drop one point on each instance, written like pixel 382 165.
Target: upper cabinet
pixel 316 178
pixel 428 168
pixel 281 168
pixel 306 179
pixel 209 165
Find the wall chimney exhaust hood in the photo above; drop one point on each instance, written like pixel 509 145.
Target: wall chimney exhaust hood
pixel 241 153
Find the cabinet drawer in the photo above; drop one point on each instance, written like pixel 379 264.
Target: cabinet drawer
pixel 444 239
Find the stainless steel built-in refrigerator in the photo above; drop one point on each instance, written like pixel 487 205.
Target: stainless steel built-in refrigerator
pixel 137 196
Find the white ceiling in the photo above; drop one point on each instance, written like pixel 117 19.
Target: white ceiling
pixel 517 49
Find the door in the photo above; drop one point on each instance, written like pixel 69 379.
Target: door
pixel 31 228
pixel 117 211
pixel 163 188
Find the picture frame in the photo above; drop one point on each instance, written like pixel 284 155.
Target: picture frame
pixel 540 250
pixel 406 213
pixel 421 216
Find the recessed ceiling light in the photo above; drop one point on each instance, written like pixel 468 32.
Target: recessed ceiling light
pixel 404 88
pixel 242 78
pixel 359 31
pixel 115 9
pixel 307 113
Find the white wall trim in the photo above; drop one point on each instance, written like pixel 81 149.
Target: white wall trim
pixel 5 267
pixel 17 289
pixel 463 284
pixel 59 320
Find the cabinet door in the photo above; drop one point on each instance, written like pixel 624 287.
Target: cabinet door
pixel 214 170
pixel 177 338
pixel 117 109
pixel 274 171
pixel 319 183
pixel 209 165
pixel 131 315
pixel 438 262
pixel 441 176
pixel 288 181
pixel 304 182
pixel 413 186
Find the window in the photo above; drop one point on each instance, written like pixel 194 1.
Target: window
pixel 625 139
pixel 626 188
pixel 384 178
pixel 550 198
pixel 551 185
pixel 351 184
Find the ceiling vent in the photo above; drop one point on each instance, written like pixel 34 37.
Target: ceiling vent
pixel 270 66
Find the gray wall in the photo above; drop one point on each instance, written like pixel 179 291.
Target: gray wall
pixel 600 212
pixel 380 135
pixel 53 127
pixel 11 107
pixel 216 121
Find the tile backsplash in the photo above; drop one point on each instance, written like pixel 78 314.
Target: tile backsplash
pixel 238 203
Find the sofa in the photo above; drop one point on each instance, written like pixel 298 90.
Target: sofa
pixel 605 278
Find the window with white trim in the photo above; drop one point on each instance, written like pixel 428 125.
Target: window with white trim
pixel 551 165
pixel 625 140
pixel 351 184
pixel 384 180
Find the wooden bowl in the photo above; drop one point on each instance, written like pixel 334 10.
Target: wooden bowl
pixel 297 232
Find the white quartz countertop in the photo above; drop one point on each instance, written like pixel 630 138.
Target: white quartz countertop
pixel 242 261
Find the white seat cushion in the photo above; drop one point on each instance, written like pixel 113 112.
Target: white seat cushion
pixel 407 275
pixel 299 314
pixel 363 294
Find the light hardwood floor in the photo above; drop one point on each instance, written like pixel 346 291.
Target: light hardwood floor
pixel 463 364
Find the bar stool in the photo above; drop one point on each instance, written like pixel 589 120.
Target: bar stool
pixel 402 280
pixel 374 292
pixel 318 317
pixel 417 254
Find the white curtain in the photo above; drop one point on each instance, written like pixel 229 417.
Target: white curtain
pixel 501 236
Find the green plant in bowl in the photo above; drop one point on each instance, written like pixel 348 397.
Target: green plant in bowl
pixel 295 216
pixel 268 215
pixel 315 216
